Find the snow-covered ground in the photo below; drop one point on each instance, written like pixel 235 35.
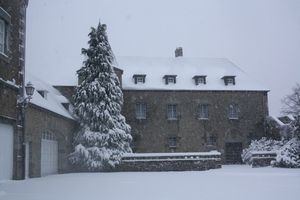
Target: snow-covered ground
pixel 231 182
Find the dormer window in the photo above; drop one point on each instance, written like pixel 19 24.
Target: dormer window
pixel 200 80
pixel 229 80
pixel 139 78
pixel 170 79
pixel 43 93
pixel 66 105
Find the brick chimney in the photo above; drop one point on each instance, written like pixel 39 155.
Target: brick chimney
pixel 178 52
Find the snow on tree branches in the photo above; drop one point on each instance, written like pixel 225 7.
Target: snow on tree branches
pixel 292 102
pixel 104 135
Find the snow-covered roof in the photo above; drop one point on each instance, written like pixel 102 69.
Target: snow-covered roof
pixel 185 68
pixel 53 100
pixel 280 123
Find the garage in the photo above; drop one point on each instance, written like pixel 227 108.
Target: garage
pixel 49 154
pixel 6 151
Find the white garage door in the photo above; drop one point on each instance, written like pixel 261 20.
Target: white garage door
pixel 49 154
pixel 6 151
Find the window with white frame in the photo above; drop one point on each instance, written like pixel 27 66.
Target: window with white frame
pixel 200 80
pixel 140 111
pixel 170 79
pixel 203 111
pixel 2 36
pixel 139 78
pixel 229 80
pixel 172 111
pixel 5 20
pixel 233 111
pixel 48 135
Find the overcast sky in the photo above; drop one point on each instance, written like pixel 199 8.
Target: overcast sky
pixel 260 36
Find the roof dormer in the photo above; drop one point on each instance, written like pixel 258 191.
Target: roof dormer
pixel 139 78
pixel 170 79
pixel 200 80
pixel 229 80
pixel 43 93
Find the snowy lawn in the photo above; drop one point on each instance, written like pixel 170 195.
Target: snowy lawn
pixel 231 182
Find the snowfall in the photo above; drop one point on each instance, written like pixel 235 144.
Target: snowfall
pixel 232 182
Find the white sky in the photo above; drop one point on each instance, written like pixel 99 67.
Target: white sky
pixel 260 36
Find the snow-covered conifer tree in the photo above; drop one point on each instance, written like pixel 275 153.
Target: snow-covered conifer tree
pixel 104 135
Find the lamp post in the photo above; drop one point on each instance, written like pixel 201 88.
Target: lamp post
pixel 23 102
pixel 29 89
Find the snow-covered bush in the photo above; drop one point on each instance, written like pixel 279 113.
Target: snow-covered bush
pixel 289 154
pixel 288 151
pixel 263 144
pixel 104 134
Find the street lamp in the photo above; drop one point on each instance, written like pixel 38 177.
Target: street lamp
pixel 23 102
pixel 29 89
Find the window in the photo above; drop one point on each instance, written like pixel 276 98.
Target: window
pixel 172 142
pixel 229 80
pixel 139 78
pixel 203 111
pixel 2 36
pixel 233 111
pixel 212 140
pixel 5 20
pixel 172 112
pixel 140 111
pixel 48 135
pixel 170 79
pixel 200 80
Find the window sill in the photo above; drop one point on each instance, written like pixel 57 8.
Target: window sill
pixel 172 119
pixel 204 119
pixel 140 118
pixel 4 57
pixel 233 118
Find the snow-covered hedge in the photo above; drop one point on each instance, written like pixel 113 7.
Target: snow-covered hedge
pixel 289 154
pixel 288 151
pixel 263 144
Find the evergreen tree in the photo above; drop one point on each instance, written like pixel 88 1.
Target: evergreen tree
pixel 104 135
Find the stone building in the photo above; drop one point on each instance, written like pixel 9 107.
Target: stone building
pixel 49 131
pixel 12 51
pixel 192 104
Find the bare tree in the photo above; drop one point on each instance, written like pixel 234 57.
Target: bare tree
pixel 291 103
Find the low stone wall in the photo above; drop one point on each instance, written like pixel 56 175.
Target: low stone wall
pixel 263 158
pixel 170 161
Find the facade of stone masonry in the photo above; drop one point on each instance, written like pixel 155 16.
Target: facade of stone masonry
pixel 12 51
pixel 189 132
pixel 46 129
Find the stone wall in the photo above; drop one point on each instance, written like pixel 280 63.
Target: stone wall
pixel 39 120
pixel 194 134
pixel 170 163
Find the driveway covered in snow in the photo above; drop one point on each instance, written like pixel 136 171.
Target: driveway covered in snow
pixel 231 182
